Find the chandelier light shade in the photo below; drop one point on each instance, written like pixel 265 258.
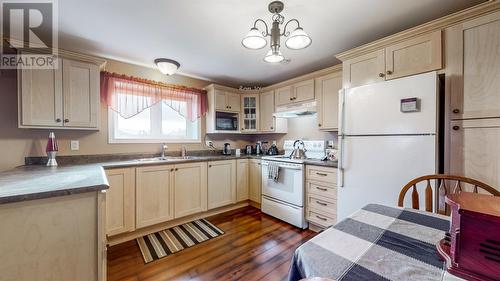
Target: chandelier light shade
pixel 298 39
pixel 167 66
pixel 254 40
pixel 295 40
pixel 274 57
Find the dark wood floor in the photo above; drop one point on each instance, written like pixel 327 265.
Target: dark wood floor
pixel 254 247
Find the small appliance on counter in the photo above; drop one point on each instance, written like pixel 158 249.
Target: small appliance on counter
pixel 471 248
pixel 273 150
pixel 227 149
pixel 51 150
pixel 248 149
pixel 258 148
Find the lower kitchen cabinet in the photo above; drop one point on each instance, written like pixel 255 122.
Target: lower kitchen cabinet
pixel 154 195
pixel 321 196
pixel 120 201
pixel 190 189
pixel 242 172
pixel 221 183
pixel 254 180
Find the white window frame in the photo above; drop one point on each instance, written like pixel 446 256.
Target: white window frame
pixel 112 115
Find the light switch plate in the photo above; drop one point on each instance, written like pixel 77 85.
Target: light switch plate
pixel 75 145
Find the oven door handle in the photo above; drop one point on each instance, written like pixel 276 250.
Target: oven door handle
pixel 285 167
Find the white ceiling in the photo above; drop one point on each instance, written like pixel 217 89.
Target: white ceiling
pixel 205 35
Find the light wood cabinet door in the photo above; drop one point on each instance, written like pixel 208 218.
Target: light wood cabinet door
pixel 303 91
pixel 220 100
pixel 154 195
pixel 473 67
pixel 190 189
pixel 242 180
pixel 221 183
pixel 475 150
pixel 283 96
pixel 327 95
pixel 40 97
pixel 120 201
pixel 267 120
pixel 417 55
pixel 80 94
pixel 365 69
pixel 255 180
pixel 233 101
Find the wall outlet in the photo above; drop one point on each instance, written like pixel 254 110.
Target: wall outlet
pixel 75 145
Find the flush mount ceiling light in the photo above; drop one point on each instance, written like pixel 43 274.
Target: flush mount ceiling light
pixel 167 66
pixel 256 39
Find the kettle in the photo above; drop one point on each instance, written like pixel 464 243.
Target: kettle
pixel 298 153
pixel 258 148
pixel 227 149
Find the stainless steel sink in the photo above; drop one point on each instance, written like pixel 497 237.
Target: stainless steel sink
pixel 166 158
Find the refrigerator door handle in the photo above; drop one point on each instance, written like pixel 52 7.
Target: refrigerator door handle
pixel 340 174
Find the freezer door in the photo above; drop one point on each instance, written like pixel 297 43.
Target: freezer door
pixel 375 169
pixel 376 109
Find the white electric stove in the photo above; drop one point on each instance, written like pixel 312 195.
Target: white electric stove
pixel 284 198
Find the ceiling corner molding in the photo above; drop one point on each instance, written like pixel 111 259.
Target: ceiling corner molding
pixel 440 23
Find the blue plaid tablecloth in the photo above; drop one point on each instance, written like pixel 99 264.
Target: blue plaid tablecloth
pixel 376 243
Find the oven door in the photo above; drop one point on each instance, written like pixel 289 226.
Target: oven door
pixel 290 185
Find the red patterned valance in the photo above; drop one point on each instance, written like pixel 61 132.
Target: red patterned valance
pixel 129 96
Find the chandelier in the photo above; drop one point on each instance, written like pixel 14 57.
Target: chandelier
pixel 296 40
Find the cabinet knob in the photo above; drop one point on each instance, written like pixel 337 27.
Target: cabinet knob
pixel 58 120
pixel 66 120
pixel 389 72
pixel 177 169
pixel 456 110
pixel 319 125
pixel 291 98
pixel 210 166
pixel 171 170
pixel 272 128
pixel 381 74
pixel 456 128
pixel 242 129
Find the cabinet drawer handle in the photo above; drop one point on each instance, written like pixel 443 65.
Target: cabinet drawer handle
pixel 58 120
pixel 66 120
pixel 321 218
pixel 321 174
pixel 381 74
pixel 456 128
pixel 321 188
pixel 321 203
pixel 456 110
pixel 389 72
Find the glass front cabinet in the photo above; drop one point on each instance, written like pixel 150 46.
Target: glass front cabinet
pixel 250 112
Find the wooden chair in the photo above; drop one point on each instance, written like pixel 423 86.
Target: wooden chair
pixel 442 190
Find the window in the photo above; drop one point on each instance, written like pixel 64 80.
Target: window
pixel 158 123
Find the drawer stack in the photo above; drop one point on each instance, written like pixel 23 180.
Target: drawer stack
pixel 321 196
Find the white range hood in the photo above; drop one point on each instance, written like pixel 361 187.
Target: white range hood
pixel 296 110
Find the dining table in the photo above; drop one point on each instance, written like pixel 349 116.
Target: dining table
pixel 377 242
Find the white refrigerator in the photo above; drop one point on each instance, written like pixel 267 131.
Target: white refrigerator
pixel 388 136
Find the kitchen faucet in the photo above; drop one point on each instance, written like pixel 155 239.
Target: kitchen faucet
pixel 164 147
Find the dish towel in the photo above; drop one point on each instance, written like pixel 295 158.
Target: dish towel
pixel 273 172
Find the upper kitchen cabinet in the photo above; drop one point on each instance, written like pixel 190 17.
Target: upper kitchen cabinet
pixel 364 69
pixel 225 100
pixel 417 55
pixel 267 120
pixel 403 58
pixel 303 91
pixel 284 95
pixel 250 112
pixel 327 95
pixel 67 97
pixel 298 92
pixel 473 67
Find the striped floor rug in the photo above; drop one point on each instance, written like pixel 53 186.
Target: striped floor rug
pixel 163 243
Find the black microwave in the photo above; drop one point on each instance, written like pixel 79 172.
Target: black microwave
pixel 225 121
